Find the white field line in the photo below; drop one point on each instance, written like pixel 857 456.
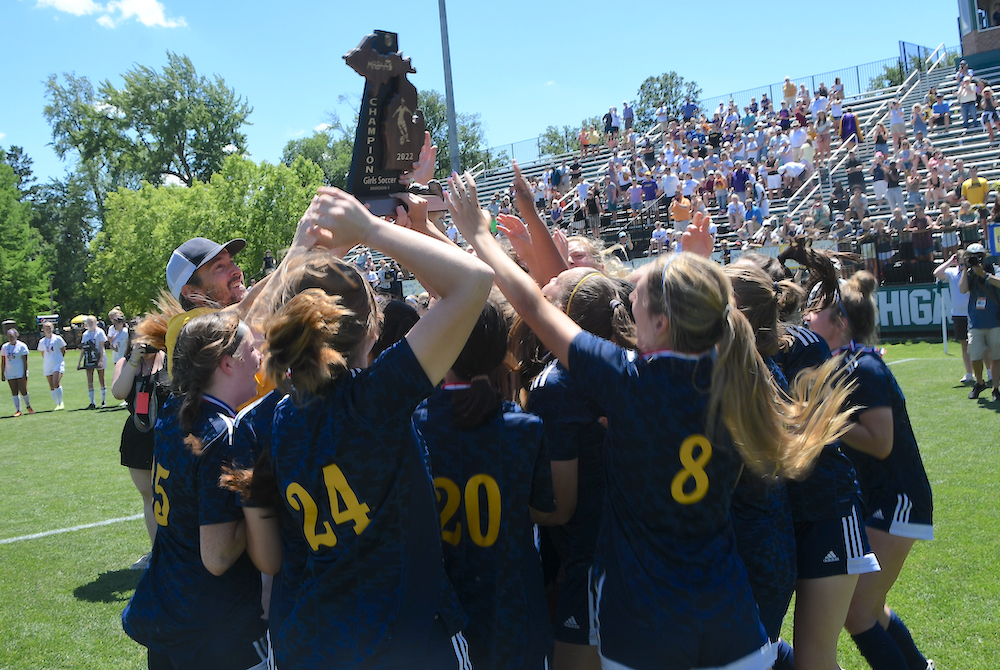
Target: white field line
pixel 904 360
pixel 106 522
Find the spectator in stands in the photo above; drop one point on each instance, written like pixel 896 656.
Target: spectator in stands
pixel 593 209
pixel 823 127
pixel 989 117
pixel 935 188
pixel 984 317
pixel 839 199
pixel 575 173
pixel 842 229
pixel 836 111
pixel 857 209
pixel 918 122
pixel 855 171
pixel 738 180
pixel 880 185
pixel 788 90
pixel 663 117
pixel 818 212
pixel 923 241
pixel 975 188
pixel 680 212
pixel 796 139
pixel 849 130
pixel 612 197
pixel 914 196
pixel 962 72
pixel 967 100
pixel 897 125
pixel 894 192
pixel 766 106
pixel 941 113
pixel 881 139
pixel 735 212
pixel 905 156
pixel 659 240
pixel 607 118
pixel 616 123
pixel 628 116
pixel 583 137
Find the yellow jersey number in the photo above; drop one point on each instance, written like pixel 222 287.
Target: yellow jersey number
pixel 161 505
pixel 453 500
pixel 344 507
pixel 694 468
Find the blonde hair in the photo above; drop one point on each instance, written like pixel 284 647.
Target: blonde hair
pixel 774 434
pixel 152 329
pixel 321 311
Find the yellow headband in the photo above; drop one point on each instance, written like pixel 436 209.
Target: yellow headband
pixel 577 287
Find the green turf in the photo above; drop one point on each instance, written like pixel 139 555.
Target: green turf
pixel 61 596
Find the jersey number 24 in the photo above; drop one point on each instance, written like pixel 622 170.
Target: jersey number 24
pixel 338 490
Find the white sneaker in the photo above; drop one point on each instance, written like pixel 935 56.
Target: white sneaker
pixel 967 379
pixel 142 563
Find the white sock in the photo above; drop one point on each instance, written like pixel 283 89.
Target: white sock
pixel 55 395
pixel 90 392
pixel 27 400
pixel 17 403
pixel 60 392
pixel 104 394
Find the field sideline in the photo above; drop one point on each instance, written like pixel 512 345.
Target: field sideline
pixel 61 595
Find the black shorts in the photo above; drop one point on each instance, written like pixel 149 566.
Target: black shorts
pixel 576 615
pixel 960 324
pixel 836 546
pixel 904 516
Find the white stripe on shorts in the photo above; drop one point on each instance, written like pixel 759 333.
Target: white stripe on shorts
pixel 461 646
pixel 901 526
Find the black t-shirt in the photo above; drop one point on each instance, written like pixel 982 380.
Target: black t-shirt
pixel 853 178
pixel 575 170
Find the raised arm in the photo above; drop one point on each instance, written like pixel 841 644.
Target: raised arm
pixel 549 262
pixel 555 329
pixel 461 281
pixel 939 271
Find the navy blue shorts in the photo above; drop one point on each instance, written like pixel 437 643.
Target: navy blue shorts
pixel 903 517
pixel 833 547
pixel 224 653
pixel 576 620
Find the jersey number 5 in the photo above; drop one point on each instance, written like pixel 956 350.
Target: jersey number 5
pixel 337 490
pixel 694 468
pixel 453 499
pixel 161 505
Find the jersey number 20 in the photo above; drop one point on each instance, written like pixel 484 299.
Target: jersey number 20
pixel 453 499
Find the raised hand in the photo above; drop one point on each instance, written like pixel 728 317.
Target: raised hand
pixel 463 203
pixel 416 218
pixel 339 217
pixel 562 244
pixel 696 238
pixel 423 169
pixel 522 192
pixel 517 233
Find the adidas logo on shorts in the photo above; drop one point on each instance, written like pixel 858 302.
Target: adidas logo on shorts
pixel 878 515
pixel 831 558
pixel 571 623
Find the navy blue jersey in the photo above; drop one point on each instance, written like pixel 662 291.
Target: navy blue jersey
pixel 807 350
pixel 251 438
pixel 897 485
pixel 765 537
pixel 572 432
pixel 355 481
pixel 179 606
pixel 485 479
pixel 670 582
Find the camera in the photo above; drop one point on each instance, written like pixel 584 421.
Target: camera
pixel 973 260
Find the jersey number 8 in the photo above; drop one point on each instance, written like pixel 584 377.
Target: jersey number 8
pixel 453 499
pixel 337 490
pixel 694 468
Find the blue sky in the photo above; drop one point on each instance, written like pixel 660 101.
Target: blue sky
pixel 520 65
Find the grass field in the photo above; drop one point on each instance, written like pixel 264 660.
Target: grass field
pixel 61 596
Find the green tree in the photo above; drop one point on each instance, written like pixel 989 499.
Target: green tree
pixel 173 123
pixel 21 163
pixel 555 141
pixel 24 266
pixel 891 75
pixel 259 202
pixel 329 149
pixel 65 215
pixel 471 138
pixel 669 89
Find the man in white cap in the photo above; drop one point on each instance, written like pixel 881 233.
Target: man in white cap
pixel 984 317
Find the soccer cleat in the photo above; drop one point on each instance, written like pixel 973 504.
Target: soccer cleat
pixel 976 390
pixel 996 394
pixel 31 411
pixel 930 664
pixel 59 407
pixel 967 379
pixel 17 413
pixel 142 563
pixel 93 406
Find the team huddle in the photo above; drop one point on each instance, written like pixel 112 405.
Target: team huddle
pixel 555 467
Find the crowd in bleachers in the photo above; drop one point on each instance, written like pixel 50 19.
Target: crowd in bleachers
pixel 736 164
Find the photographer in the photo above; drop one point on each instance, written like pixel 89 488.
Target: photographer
pixel 984 317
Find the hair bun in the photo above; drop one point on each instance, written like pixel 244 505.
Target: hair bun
pixel 864 282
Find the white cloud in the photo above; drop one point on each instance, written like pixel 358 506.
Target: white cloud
pixel 322 128
pixel 3 135
pixel 550 83
pixel 294 133
pixel 146 12
pixel 75 7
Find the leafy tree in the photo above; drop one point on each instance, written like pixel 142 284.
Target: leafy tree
pixel 173 123
pixel 471 138
pixel 328 151
pixel 670 89
pixel 24 265
pixel 65 215
pixel 555 141
pixel 891 75
pixel 259 202
pixel 21 163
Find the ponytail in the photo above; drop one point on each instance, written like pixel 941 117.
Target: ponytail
pixel 480 361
